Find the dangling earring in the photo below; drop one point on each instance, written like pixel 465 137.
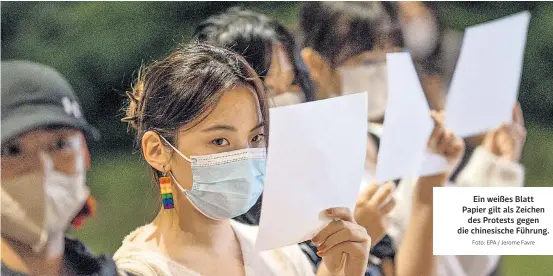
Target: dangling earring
pixel 87 211
pixel 166 191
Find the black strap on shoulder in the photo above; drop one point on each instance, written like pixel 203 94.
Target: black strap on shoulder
pixel 80 260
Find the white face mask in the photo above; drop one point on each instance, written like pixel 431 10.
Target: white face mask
pixel 38 206
pixel 371 78
pixel 421 36
pixel 287 98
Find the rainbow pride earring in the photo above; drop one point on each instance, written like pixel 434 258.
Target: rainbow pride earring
pixel 166 192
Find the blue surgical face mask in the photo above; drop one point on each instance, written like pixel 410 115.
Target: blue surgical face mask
pixel 369 77
pixel 225 185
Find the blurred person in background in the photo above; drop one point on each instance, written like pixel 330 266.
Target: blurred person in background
pixel 201 116
pixel 422 37
pixel 262 42
pixel 44 162
pixel 267 46
pixel 425 37
pixel 345 46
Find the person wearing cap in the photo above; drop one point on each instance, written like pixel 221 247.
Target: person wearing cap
pixel 44 162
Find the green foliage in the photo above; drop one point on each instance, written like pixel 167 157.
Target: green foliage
pixel 527 265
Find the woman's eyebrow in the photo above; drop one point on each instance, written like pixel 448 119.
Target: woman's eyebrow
pixel 229 127
pixel 219 127
pixel 258 126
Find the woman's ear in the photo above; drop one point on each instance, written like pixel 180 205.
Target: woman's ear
pixel 155 152
pixel 315 63
pixel 323 76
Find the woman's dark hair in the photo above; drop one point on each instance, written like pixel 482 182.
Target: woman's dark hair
pixel 252 35
pixel 340 30
pixel 182 89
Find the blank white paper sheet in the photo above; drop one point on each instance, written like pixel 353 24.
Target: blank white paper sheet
pixel 407 123
pixel 485 83
pixel 315 161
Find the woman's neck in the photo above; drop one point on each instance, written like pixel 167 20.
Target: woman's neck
pixel 186 226
pixel 23 259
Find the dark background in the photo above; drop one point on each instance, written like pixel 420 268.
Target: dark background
pixel 99 46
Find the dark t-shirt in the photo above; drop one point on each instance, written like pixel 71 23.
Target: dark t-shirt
pixel 79 261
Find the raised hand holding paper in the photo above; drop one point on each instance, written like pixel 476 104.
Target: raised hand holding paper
pixel 315 161
pixel 485 83
pixel 482 95
pixel 407 126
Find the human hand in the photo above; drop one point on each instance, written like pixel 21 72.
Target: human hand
pixel 343 244
pixel 372 209
pixel 507 141
pixel 444 142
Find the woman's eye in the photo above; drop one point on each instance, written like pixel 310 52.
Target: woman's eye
pixel 62 144
pixel 220 142
pixel 258 138
pixel 11 150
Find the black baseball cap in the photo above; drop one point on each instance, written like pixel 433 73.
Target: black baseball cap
pixel 35 96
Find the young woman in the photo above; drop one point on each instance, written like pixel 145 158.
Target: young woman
pixel 345 46
pixel 201 117
pixel 271 51
pixel 44 161
pixel 267 46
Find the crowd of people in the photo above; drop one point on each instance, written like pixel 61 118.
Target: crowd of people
pixel 201 117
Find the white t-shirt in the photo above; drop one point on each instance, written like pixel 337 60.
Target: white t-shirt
pixel 139 259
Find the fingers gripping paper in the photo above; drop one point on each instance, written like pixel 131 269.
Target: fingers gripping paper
pixel 315 161
pixel 485 84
